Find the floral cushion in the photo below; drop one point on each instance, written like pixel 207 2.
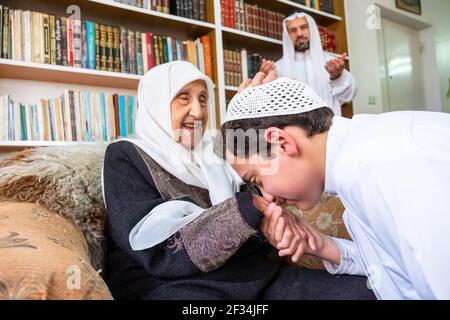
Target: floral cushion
pixel 327 218
pixel 44 256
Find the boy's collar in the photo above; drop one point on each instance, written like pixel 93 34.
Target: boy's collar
pixel 336 135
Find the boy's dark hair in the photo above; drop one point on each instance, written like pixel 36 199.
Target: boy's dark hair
pixel 313 122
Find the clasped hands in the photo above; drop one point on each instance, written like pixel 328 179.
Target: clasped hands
pixel 288 233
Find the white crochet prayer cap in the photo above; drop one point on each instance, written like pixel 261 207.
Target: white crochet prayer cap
pixel 281 97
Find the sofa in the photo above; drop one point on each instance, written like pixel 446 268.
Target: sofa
pixel 52 221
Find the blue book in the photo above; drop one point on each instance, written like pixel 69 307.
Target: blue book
pixel 90 45
pixel 87 115
pixel 122 117
pixel 169 49
pixel 35 122
pixel 103 115
pixel 131 117
pixel 179 55
pixel 51 108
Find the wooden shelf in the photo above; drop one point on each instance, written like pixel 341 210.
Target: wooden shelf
pixel 54 73
pixel 170 22
pixel 231 88
pixel 250 35
pixel 287 7
pixel 31 144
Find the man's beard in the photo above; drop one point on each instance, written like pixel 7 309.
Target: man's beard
pixel 302 47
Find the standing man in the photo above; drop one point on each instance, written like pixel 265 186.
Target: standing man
pixel 304 60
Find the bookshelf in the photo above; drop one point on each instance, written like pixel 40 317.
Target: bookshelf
pixel 119 14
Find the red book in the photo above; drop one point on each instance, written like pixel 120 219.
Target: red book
pixel 228 13
pixel 70 42
pixel 249 18
pixel 151 62
pixel 266 22
pixel 232 14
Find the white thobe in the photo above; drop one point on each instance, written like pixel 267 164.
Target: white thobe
pixel 392 173
pixel 342 90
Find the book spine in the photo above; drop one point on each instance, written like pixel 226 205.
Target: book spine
pixel 59 56
pixel 1 49
pixel 166 6
pixel 84 48
pixel 144 51
pixel 6 32
pixel 70 57
pixel 46 28
pixel 132 50
pixel 64 57
pixel 53 55
pixel 169 49
pixel 116 115
pixel 196 9
pixel 124 56
pixel 76 43
pixel 90 45
pixel 103 48
pixel 116 49
pixel 97 48
pixel 156 54
pixel 122 116
pixel 139 57
pixel 202 8
pixel 206 42
pixel 73 118
pixel 163 45
pixel 109 48
pixel 151 62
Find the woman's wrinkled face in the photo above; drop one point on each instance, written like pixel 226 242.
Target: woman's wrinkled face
pixel 189 111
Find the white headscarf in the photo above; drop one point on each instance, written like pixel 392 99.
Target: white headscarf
pixel 155 137
pixel 286 65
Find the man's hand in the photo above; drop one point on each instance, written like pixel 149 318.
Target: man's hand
pixel 259 79
pixel 267 66
pixel 335 67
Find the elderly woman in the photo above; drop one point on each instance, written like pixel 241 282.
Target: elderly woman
pixel 177 225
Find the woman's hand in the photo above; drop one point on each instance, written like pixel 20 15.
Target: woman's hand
pixel 260 203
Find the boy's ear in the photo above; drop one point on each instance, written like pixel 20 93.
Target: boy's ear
pixel 285 142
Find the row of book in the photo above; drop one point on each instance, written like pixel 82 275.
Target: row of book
pixel 192 9
pixel 321 5
pixel 251 18
pixel 239 66
pixel 328 39
pixel 43 38
pixel 82 116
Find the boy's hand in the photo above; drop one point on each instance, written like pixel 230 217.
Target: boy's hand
pixel 294 236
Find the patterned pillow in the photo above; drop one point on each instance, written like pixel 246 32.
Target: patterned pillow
pixel 326 216
pixel 44 256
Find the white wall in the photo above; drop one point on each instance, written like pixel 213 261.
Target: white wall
pixel 364 53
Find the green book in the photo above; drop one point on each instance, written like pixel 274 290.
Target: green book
pixel 23 123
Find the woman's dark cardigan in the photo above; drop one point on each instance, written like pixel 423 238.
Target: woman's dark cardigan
pixel 219 255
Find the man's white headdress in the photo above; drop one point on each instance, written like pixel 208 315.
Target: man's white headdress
pixel 321 82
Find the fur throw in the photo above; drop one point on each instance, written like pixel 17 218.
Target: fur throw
pixel 65 180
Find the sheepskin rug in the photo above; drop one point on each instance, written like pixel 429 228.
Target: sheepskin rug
pixel 65 180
